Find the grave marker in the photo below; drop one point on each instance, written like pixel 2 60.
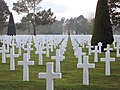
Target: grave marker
pixel 40 52
pixel 3 51
pixel 12 57
pixel 100 45
pixel 50 75
pixel 80 54
pixel 107 59
pixel 58 58
pixel 85 67
pixel 25 64
pixel 89 48
pixel 96 51
pixel 28 49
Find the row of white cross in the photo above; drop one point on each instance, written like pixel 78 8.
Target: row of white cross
pixel 39 46
pixel 42 46
pixel 84 63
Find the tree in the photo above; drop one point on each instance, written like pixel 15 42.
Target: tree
pixel 4 12
pixel 11 26
pixel 114 6
pixel 102 26
pixel 24 6
pixel 45 17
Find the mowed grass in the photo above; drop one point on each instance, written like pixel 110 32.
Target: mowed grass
pixel 72 77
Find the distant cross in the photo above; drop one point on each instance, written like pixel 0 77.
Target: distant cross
pixel 107 59
pixel 13 44
pixel 108 48
pixel 100 45
pixel 96 51
pixel 28 49
pixel 3 51
pixel 58 58
pixel 40 52
pixel 47 50
pixel 8 46
pixel 89 48
pixel 61 50
pixel 25 64
pixel 12 57
pixel 80 54
pixel 85 67
pixel 118 49
pixel 50 75
pixel 19 46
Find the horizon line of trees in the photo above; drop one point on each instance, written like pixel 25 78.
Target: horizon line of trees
pixel 36 18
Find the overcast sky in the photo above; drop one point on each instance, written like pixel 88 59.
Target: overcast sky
pixel 63 8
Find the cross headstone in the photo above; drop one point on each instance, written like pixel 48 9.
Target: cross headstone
pixel 13 44
pixel 19 46
pixel 96 51
pixel 58 58
pixel 89 48
pixel 12 57
pixel 100 45
pixel 3 51
pixel 80 54
pixel 108 49
pixel 107 59
pixel 50 75
pixel 40 52
pixel 118 49
pixel 28 49
pixel 47 50
pixel 25 64
pixel 85 67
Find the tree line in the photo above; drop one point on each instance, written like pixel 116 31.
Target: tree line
pixel 36 18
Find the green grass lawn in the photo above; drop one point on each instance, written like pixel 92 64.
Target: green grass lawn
pixel 71 76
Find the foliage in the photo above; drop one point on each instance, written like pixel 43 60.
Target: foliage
pixel 11 26
pixel 102 26
pixel 24 6
pixel 115 12
pixel 78 24
pixel 45 17
pixel 4 12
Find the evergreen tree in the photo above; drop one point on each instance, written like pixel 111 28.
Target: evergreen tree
pixel 4 12
pixel 102 26
pixel 11 26
pixel 114 6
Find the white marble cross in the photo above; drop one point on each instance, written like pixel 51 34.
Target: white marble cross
pixel 100 45
pixel 58 58
pixel 40 52
pixel 28 49
pixel 107 59
pixel 12 57
pixel 19 46
pixel 118 49
pixel 50 75
pixel 3 51
pixel 25 64
pixel 80 54
pixel 85 67
pixel 62 50
pixel 96 51
pixel 108 49
pixel 47 50
pixel 89 48
pixel 13 44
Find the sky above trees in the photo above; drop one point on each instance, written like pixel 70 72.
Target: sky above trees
pixel 63 8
